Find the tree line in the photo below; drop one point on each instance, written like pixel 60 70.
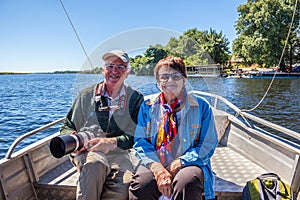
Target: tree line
pixel 196 47
pixel 262 28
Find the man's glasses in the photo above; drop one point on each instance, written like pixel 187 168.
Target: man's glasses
pixel 165 77
pixel 119 67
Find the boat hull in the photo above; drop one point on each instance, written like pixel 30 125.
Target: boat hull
pixel 245 151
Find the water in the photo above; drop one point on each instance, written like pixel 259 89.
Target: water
pixel 31 101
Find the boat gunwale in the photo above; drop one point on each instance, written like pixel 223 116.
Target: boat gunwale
pixel 268 136
pixel 246 116
pixel 26 135
pixel 238 112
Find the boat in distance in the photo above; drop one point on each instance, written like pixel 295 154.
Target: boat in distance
pixel 270 74
pixel 248 147
pixel 211 70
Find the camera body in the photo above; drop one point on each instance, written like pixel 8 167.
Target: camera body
pixel 65 144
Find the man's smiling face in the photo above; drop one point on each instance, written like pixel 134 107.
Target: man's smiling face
pixel 114 70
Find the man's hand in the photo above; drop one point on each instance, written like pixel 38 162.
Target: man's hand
pixel 102 144
pixel 163 178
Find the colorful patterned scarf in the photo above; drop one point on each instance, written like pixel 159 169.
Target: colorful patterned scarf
pixel 167 131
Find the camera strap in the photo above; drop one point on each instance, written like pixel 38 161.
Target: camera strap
pixel 102 92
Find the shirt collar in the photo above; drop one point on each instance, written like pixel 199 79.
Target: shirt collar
pixel 122 92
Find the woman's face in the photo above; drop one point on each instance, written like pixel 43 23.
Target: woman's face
pixel 170 81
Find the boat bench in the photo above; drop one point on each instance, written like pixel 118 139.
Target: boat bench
pixel 232 172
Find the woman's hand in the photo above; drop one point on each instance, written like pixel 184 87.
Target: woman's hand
pixel 102 144
pixel 163 178
pixel 174 167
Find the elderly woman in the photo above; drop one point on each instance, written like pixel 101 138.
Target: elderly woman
pixel 174 139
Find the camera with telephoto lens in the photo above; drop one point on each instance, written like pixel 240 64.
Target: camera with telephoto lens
pixel 65 144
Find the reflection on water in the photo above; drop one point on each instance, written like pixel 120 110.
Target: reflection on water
pixel 30 101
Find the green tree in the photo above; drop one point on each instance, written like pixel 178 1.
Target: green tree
pixel 262 28
pixel 216 45
pixel 139 66
pixel 201 47
pixel 155 53
pixel 196 47
pixel 144 64
pixel 172 47
pixel 293 50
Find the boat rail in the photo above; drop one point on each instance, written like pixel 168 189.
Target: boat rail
pixel 247 116
pixel 217 98
pixel 22 137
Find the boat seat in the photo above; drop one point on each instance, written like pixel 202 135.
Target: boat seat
pixel 232 172
pixel 221 122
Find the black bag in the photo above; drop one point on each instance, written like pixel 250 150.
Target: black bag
pixel 267 187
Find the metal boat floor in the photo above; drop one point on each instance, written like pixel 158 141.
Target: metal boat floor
pixel 232 172
pixel 59 183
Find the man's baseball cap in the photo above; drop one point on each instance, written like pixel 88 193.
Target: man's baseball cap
pixel 119 53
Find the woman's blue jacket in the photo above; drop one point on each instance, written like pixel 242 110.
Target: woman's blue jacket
pixel 197 136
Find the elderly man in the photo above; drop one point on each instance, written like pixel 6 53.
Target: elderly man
pixel 104 165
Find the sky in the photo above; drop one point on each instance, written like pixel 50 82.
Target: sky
pixel 36 35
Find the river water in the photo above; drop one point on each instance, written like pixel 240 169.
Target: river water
pixel 30 101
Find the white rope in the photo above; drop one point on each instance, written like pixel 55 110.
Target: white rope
pixel 77 36
pixel 286 41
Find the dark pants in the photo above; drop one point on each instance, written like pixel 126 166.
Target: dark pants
pixel 187 184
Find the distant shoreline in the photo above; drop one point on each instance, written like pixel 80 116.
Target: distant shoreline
pixel 56 72
pixel 13 73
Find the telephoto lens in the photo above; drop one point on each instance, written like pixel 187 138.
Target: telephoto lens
pixel 65 144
